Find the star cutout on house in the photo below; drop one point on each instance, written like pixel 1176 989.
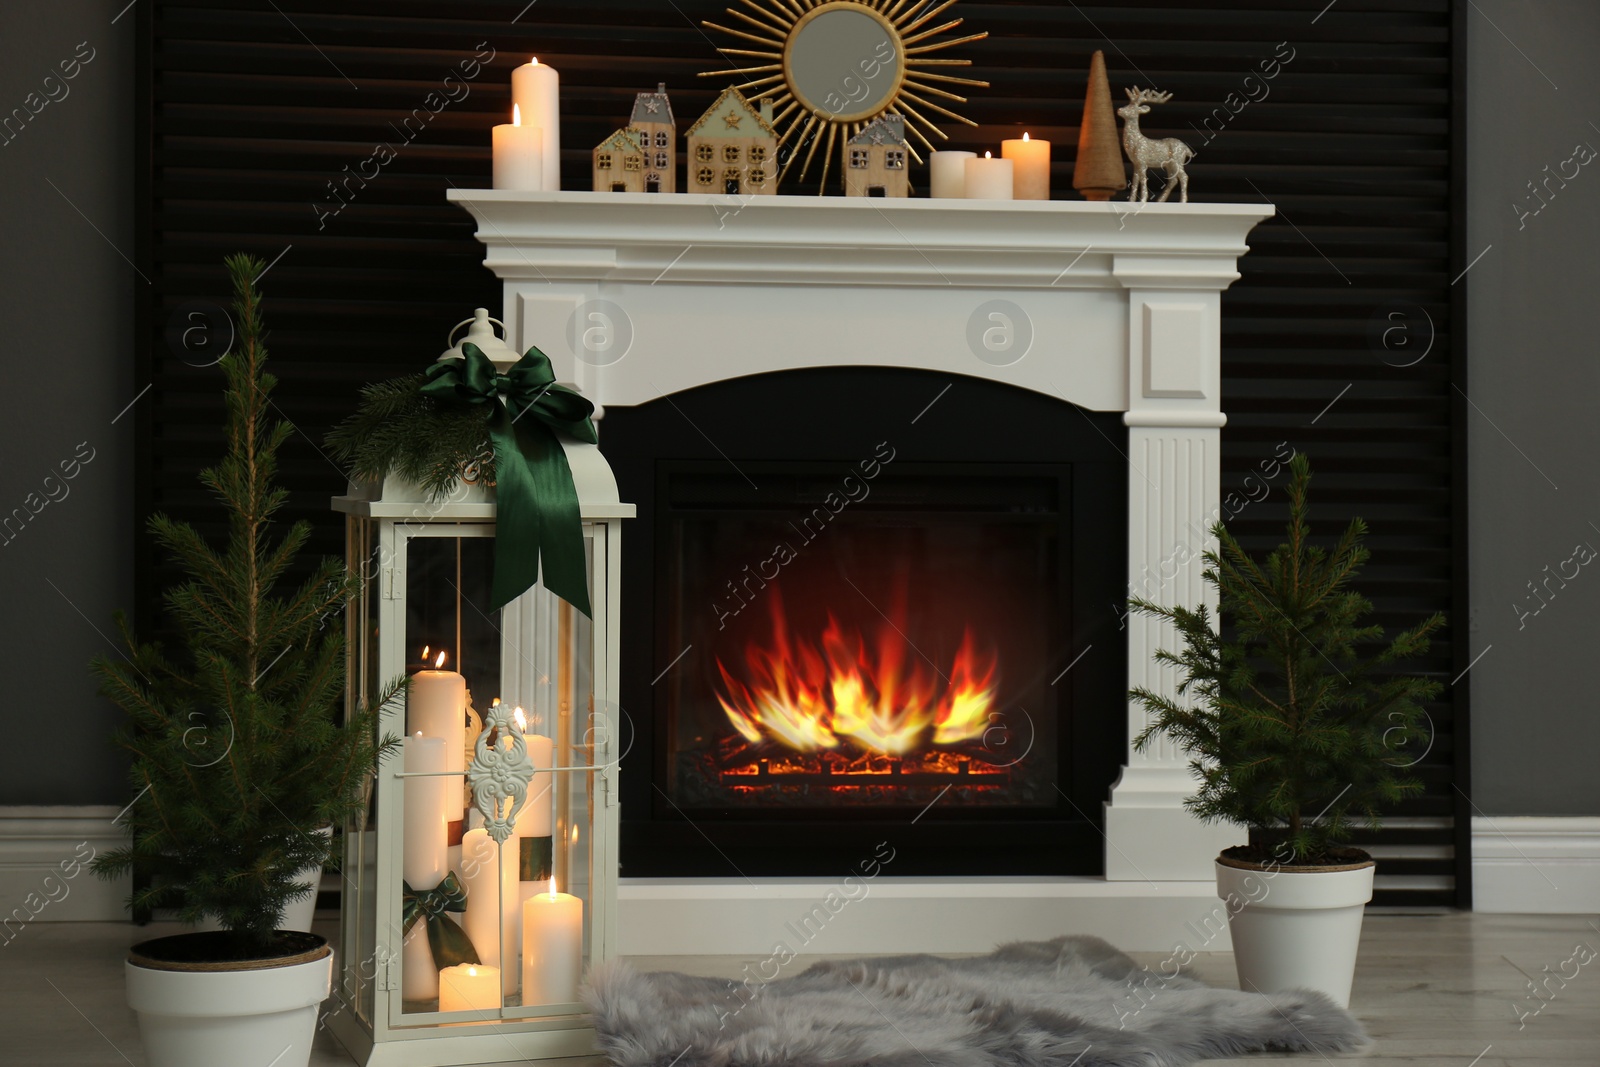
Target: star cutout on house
pixel 733 120
pixel 652 104
pixel 877 136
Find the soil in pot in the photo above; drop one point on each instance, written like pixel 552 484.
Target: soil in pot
pixel 1267 857
pixel 220 950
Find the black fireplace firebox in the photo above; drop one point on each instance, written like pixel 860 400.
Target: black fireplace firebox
pixel 873 642
pixel 846 623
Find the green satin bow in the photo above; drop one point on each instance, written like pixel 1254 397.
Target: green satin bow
pixel 537 517
pixel 449 944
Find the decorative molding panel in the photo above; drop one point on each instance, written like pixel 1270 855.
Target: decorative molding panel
pixel 1536 864
pixel 44 873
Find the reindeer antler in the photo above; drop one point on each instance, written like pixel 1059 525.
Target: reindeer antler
pixel 1147 96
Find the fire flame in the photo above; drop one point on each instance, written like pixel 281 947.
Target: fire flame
pixel 882 700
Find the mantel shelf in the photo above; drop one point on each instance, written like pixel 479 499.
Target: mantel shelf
pixel 678 238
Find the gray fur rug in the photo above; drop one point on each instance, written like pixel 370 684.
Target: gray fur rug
pixel 1071 1002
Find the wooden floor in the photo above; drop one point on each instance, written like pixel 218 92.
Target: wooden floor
pixel 1433 990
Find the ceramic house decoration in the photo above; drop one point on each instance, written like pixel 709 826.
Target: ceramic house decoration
pixel 874 162
pixel 619 164
pixel 733 148
pixel 657 134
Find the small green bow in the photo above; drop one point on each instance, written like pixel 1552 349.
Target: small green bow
pixel 537 516
pixel 449 944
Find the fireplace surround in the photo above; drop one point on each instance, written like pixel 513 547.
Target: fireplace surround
pixel 1112 308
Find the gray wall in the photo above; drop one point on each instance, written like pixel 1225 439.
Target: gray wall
pixel 66 310
pixel 1534 377
pixel 66 313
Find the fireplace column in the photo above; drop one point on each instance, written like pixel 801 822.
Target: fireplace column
pixel 1174 421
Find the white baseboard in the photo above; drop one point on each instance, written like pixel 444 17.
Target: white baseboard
pixel 670 917
pixel 1536 864
pixel 44 874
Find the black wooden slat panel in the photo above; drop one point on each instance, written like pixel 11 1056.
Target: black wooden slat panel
pixel 1358 144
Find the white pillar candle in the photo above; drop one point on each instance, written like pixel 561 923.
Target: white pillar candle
pixel 988 178
pixel 552 947
pixel 534 851
pixel 469 987
pixel 536 89
pixel 947 174
pixel 423 855
pixel 481 877
pixel 1031 162
pixel 436 706
pixel 518 155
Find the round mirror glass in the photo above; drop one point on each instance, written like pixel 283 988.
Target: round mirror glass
pixel 844 61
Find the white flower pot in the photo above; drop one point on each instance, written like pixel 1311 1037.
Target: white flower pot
pixel 205 1018
pixel 1296 928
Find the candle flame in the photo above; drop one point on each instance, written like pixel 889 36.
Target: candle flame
pixel 438 662
pixel 552 887
pixel 1024 136
pixel 516 114
pixel 472 972
pixel 522 720
pixel 425 650
pixel 495 703
pixel 534 62
pixel 988 155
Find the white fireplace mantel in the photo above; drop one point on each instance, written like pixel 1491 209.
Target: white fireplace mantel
pixel 1112 306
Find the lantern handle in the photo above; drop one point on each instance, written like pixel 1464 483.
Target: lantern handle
pixel 450 338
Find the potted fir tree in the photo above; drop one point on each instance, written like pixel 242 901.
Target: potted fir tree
pixel 1296 721
pixel 240 763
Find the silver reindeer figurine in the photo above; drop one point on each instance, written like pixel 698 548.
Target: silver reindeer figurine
pixel 1169 153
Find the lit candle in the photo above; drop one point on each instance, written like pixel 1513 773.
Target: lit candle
pixel 536 88
pixel 423 855
pixel 552 947
pixel 947 174
pixel 1031 160
pixel 988 178
pixel 535 851
pixel 469 987
pixel 482 877
pixel 436 706
pixel 519 155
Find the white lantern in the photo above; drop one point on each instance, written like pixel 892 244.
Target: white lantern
pixel 427 568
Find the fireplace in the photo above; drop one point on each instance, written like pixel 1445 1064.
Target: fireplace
pixel 733 333
pixel 844 626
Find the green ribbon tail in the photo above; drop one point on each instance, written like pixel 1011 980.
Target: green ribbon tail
pixel 449 943
pixel 566 569
pixel 518 523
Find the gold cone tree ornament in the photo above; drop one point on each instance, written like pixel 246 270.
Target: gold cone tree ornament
pixel 1098 173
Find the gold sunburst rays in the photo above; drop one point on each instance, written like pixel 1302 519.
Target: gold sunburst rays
pixel 832 66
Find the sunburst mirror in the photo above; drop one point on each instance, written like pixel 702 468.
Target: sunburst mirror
pixel 831 66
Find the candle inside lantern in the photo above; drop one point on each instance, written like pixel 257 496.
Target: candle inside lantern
pixel 436 706
pixel 552 947
pixel 535 851
pixel 947 174
pixel 519 153
pixel 469 987
pixel 988 178
pixel 536 90
pixel 423 855
pixel 483 878
pixel 1031 162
